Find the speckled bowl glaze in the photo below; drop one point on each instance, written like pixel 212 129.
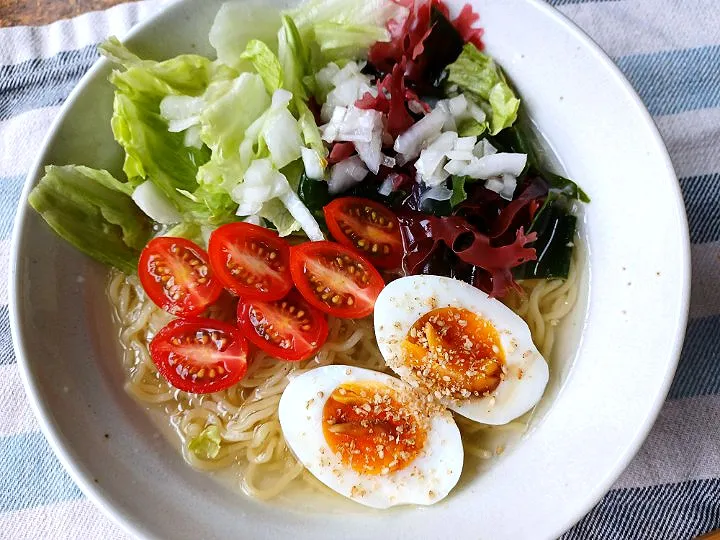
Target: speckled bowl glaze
pixel 607 386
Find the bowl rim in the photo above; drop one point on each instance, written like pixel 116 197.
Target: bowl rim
pixel 97 494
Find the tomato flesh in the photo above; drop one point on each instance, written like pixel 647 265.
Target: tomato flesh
pixel 176 275
pixel 200 355
pixel 368 227
pixel 335 279
pixel 250 261
pixel 289 329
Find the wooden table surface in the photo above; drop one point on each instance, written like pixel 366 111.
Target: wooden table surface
pixel 34 12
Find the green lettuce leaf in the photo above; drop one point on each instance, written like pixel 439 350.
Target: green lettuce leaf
pixel 476 74
pixel 236 24
pixel 310 132
pixel 150 81
pixel 471 128
pixel 188 229
pixel 339 40
pixel 207 444
pixel 275 212
pixel 232 107
pixel 350 12
pixel 294 56
pixel 265 63
pixel 151 150
pixel 342 29
pixel 94 212
pixel 458 188
pixel 272 194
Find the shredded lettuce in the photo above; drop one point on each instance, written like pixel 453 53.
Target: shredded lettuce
pixel 265 63
pixel 94 212
pixel 190 230
pixel 294 56
pixel 268 193
pixel 155 204
pixel 236 23
pixel 338 40
pixel 207 444
pixel 352 13
pixel 476 74
pixel 344 29
pixel 252 136
pixel 275 212
pixel 232 108
pixel 152 151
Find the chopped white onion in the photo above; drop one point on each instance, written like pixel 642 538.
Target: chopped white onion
pixel 496 165
pixel 464 155
pixel 371 152
pixel 155 204
pixel 444 107
pixel 388 161
pixel 386 188
pixel 346 174
pixel 421 132
pixel 509 185
pixel 484 148
pixel 429 165
pixel 488 149
pixel 465 143
pixel 349 71
pixel 353 125
pixel 332 128
pixel 456 166
pixel 438 193
pixel 495 185
pixel 457 105
pixel 348 85
pixel 360 125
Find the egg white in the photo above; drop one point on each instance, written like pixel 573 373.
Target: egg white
pixel 425 480
pixel 405 300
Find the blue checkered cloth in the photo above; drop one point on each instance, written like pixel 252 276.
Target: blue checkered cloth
pixel 670 52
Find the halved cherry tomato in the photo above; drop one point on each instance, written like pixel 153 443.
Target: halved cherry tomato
pixel 289 329
pixel 335 279
pixel 251 261
pixel 200 355
pixel 176 275
pixel 368 227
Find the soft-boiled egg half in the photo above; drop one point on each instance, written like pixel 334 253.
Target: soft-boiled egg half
pixel 468 350
pixel 370 437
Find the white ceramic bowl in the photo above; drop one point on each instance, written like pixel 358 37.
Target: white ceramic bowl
pixel 599 410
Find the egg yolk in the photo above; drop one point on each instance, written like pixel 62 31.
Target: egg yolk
pixel 455 353
pixel 370 429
